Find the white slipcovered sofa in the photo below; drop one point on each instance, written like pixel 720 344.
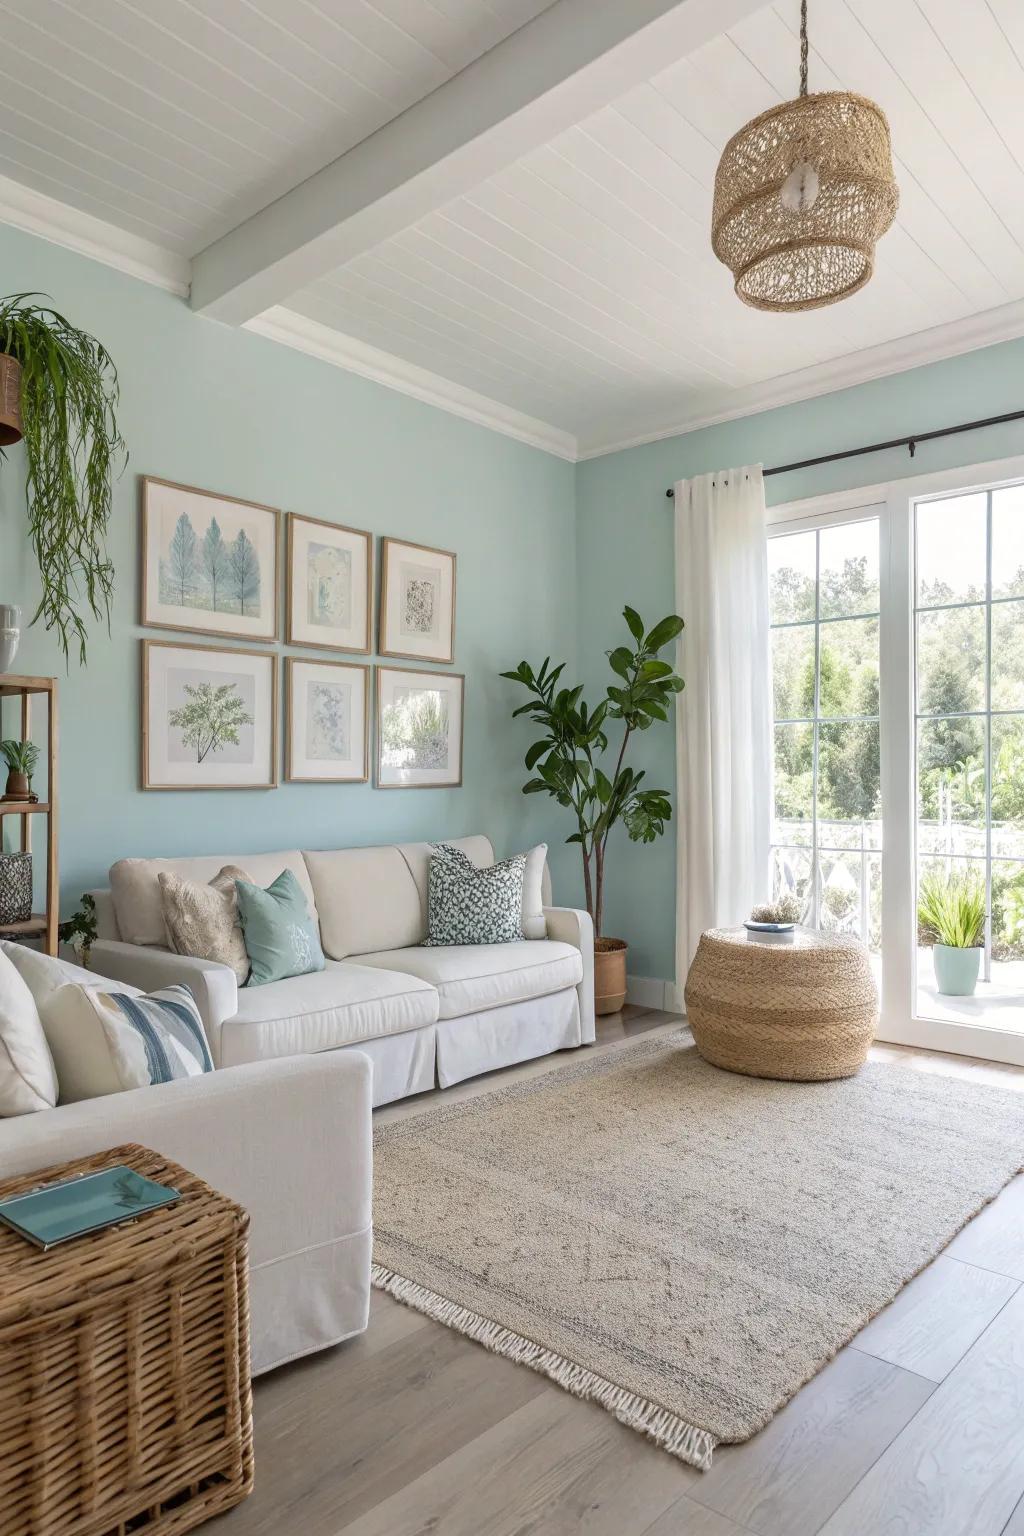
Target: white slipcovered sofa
pixel 424 1016
pixel 290 1140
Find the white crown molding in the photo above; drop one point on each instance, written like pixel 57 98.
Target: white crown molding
pixel 291 329
pixel 63 225
pixel 931 346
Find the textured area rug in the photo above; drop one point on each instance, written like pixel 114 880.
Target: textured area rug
pixel 683 1245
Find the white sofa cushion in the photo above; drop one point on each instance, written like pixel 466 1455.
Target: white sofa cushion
pixel 135 887
pixel 472 977
pixel 28 1081
pixel 340 1005
pixel 376 898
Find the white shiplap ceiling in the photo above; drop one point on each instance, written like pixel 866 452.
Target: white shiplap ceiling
pixel 576 286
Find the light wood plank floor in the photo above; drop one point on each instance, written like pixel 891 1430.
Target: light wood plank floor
pixel 915 1429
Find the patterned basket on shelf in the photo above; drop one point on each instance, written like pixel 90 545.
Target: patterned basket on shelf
pixel 15 888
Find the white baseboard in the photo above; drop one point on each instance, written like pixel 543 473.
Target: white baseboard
pixel 652 992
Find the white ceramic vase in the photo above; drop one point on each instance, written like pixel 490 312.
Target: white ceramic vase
pixel 10 635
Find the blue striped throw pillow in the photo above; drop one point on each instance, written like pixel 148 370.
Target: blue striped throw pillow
pixel 150 1039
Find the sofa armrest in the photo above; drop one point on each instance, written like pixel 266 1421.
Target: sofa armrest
pixel 213 986
pixel 568 925
pixel 290 1140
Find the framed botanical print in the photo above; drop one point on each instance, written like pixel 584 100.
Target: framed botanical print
pixel 417 602
pixel 329 585
pixel 327 730
pixel 419 728
pixel 209 562
pixel 209 717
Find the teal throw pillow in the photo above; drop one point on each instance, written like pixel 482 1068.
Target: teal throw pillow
pixel 281 938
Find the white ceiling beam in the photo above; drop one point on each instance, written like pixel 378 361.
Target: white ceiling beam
pixel 567 62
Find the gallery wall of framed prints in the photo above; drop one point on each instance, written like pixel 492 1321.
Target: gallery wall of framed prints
pixel 210 565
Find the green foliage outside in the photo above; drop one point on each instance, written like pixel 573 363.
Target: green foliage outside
pixel 951 908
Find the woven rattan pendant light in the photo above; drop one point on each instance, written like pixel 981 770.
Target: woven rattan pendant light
pixel 802 193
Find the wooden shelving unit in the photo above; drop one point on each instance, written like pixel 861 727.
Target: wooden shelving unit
pixel 41 925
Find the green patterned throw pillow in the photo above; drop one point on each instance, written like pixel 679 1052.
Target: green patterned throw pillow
pixel 474 906
pixel 281 938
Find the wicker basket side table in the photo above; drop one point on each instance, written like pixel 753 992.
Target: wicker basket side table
pixel 804 1009
pixel 125 1400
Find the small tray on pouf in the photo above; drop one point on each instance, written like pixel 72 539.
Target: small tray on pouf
pixel 125 1396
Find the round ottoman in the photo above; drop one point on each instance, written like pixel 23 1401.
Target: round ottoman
pixel 803 1008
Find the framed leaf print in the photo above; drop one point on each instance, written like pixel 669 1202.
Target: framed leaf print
pixel 419 729
pixel 209 717
pixel 329 585
pixel 417 602
pixel 328 707
pixel 209 562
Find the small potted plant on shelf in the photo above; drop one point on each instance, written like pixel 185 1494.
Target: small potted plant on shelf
pixel 21 758
pixel 567 759
pixel 951 918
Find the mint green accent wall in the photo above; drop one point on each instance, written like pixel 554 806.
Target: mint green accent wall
pixel 229 411
pixel 625 548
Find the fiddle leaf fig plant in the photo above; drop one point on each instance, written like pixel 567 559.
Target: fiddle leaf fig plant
pixel 68 401
pixel 568 757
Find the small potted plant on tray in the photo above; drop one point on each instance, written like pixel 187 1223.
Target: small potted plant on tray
pixel 951 918
pixel 567 759
pixel 21 758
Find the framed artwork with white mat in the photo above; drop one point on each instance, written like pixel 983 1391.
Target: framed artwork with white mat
pixel 209 717
pixel 419 728
pixel 209 562
pixel 327 717
pixel 329 585
pixel 417 602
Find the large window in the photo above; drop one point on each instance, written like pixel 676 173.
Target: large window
pixel 969 634
pixel 827 831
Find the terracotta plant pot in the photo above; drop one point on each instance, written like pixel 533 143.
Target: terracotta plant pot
pixel 17 786
pixel 10 401
pixel 609 975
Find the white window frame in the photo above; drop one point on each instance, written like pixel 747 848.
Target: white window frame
pixel 894 502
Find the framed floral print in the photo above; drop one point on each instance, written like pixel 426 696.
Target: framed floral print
pixel 329 585
pixel 327 735
pixel 417 602
pixel 419 728
pixel 209 562
pixel 209 717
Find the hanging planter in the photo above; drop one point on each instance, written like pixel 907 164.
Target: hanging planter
pixel 10 402
pixel 59 393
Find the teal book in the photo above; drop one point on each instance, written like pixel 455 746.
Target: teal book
pixel 55 1213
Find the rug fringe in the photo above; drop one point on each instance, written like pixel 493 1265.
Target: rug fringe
pixel 673 1434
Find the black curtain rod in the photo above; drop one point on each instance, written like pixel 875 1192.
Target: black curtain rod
pixel 895 442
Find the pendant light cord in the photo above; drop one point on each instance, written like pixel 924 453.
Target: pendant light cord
pixel 803 47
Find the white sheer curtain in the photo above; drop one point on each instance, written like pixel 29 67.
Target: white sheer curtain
pixel 724 722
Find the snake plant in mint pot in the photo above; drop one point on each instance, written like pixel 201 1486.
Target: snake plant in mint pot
pixel 569 760
pixel 59 393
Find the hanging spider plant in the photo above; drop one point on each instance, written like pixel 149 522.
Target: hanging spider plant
pixel 67 399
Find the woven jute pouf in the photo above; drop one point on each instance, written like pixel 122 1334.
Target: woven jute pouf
pixel 125 1402
pixel 805 1008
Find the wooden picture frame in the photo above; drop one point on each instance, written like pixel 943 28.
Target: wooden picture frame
pixel 302 628
pixel 393 775
pixel 202 562
pixel 416 620
pixel 164 693
pixel 298 715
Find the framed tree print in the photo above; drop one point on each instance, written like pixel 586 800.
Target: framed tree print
pixel 209 717
pixel 209 562
pixel 417 602
pixel 329 585
pixel 419 729
pixel 328 708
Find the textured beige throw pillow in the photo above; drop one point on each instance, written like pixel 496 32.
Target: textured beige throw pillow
pixel 202 920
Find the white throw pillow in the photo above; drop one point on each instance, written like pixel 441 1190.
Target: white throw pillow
pixel 44 974
pixel 27 1078
pixel 534 922
pixel 109 1042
